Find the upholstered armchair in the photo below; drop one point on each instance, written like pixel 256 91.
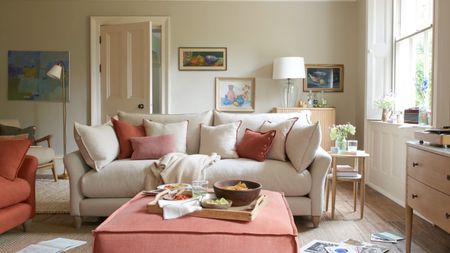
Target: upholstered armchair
pixel 44 153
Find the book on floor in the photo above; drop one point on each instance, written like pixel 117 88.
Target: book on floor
pixel 389 236
pixel 57 245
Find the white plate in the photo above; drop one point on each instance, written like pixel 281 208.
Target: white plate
pixel 174 186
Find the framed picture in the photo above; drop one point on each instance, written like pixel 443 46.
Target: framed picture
pixel 235 94
pixel 202 58
pixel 324 77
pixel 27 75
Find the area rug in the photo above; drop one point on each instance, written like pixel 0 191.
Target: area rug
pixel 52 197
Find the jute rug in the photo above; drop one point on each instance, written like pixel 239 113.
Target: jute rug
pixel 52 197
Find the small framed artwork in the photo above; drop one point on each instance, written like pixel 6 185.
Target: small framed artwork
pixel 235 94
pixel 202 58
pixel 324 77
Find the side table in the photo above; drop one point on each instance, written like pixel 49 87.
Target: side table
pixel 359 163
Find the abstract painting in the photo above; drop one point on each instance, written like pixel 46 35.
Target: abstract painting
pixel 324 77
pixel 202 58
pixel 27 75
pixel 235 94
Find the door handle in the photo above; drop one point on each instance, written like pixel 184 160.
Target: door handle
pixel 414 196
pixel 415 164
pixel 141 106
pixel 447 215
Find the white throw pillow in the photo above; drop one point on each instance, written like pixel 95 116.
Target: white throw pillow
pixel 302 144
pixel 277 152
pixel 219 139
pixel 179 129
pixel 98 144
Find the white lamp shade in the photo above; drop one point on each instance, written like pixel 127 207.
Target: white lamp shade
pixel 288 68
pixel 55 72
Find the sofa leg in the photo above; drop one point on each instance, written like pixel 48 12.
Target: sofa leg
pixel 26 225
pixel 78 221
pixel 316 220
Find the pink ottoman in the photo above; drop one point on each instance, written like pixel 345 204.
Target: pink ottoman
pixel 132 229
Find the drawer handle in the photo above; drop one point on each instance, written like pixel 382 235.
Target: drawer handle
pixel 415 164
pixel 414 196
pixel 447 215
pixel 448 177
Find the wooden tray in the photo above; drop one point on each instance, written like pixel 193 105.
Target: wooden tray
pixel 240 213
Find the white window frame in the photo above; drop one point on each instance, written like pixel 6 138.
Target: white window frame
pixel 96 22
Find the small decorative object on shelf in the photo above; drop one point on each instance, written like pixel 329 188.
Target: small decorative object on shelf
pixel 339 134
pixel 386 104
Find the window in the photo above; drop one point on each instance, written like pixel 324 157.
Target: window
pixel 413 44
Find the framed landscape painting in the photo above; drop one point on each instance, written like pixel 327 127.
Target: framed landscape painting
pixel 235 94
pixel 324 77
pixel 27 75
pixel 202 58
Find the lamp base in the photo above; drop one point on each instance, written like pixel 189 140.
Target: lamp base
pixel 64 175
pixel 289 95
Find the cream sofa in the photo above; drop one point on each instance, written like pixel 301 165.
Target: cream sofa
pixel 100 193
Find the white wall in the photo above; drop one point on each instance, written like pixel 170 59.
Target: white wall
pixel 253 32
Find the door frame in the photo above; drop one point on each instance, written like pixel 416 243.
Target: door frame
pixel 95 23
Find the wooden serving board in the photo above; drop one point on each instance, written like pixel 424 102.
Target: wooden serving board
pixel 240 213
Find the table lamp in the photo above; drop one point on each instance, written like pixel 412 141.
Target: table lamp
pixel 289 68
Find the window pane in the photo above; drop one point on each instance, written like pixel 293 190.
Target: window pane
pixel 414 15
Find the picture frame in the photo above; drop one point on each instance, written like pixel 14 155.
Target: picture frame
pixel 235 94
pixel 202 58
pixel 324 77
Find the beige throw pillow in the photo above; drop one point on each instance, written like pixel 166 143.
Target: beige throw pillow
pixel 219 139
pixel 302 144
pixel 277 152
pixel 178 129
pixel 98 144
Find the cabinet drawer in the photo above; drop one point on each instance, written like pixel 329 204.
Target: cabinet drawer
pixel 430 169
pixel 432 204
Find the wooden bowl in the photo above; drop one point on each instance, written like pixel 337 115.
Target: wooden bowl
pixel 238 197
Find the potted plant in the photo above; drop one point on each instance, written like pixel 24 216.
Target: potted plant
pixel 386 104
pixel 339 134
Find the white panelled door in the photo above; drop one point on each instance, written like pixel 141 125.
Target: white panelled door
pixel 125 65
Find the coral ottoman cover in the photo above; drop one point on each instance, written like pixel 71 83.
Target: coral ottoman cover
pixel 132 229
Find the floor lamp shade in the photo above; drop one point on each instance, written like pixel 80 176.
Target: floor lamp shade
pixel 289 68
pixel 55 72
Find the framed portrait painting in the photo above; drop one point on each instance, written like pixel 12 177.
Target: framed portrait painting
pixel 234 94
pixel 324 77
pixel 202 58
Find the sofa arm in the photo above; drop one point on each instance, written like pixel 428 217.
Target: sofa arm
pixel 318 170
pixel 76 167
pixel 28 172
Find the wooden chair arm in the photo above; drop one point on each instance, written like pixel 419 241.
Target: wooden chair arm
pixel 47 138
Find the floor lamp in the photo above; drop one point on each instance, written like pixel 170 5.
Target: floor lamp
pixel 289 68
pixel 57 72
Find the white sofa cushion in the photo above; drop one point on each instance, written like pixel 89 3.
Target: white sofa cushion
pixel 193 132
pixel 272 174
pixel 219 139
pixel 98 144
pixel 278 152
pixel 119 179
pixel 254 121
pixel 178 129
pixel 302 144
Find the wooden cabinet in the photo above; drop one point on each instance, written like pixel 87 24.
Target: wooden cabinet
pixel 427 186
pixel 326 117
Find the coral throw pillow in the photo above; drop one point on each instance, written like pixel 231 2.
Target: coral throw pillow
pixel 152 147
pixel 256 145
pixel 124 132
pixel 12 153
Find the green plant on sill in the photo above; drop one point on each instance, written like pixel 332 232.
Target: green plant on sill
pixel 386 103
pixel 340 132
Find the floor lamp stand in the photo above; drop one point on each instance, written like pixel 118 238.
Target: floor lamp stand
pixel 63 82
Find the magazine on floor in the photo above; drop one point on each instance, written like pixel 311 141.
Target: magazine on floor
pixel 57 245
pixel 347 246
pixel 317 246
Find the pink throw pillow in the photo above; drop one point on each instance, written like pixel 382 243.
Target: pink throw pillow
pixel 152 147
pixel 256 145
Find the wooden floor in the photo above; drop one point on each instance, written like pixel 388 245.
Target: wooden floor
pixel 381 214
